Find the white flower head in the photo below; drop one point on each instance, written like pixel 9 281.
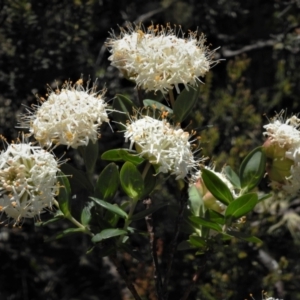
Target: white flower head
pixel 162 144
pixel 28 181
pixel 282 148
pixel 157 59
pixel 70 116
pixel 284 133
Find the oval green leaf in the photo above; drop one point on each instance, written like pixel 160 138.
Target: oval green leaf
pixel 113 208
pixel 131 181
pixel 86 214
pixel 252 169
pixel 241 206
pixel 195 201
pixel 107 183
pixel 122 155
pixel 206 223
pixel 232 177
pixel 217 187
pixel 108 233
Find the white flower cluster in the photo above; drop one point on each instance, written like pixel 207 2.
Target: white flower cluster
pixel 28 181
pixel 157 59
pixel 286 137
pixel 164 145
pixel 70 116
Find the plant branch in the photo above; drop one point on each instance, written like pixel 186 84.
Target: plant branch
pixel 183 201
pixel 152 240
pixel 121 270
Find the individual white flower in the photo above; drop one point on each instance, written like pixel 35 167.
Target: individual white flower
pixel 162 144
pixel 70 116
pixel 282 149
pixel 28 181
pixel 157 59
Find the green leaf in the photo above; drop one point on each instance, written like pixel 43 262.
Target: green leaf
pixel 149 179
pixel 111 218
pixel 244 236
pixel 232 177
pixel 64 233
pixel 77 177
pixel 86 214
pixel 113 208
pixel 122 155
pixel 252 169
pixel 197 241
pixel 148 211
pixel 131 181
pixel 54 219
pixel 185 103
pixel 241 206
pixel 124 108
pixel 158 106
pixel 217 187
pixel 196 203
pixel 107 183
pixel 90 156
pixel 206 223
pixel 107 233
pixel 64 195
pixel 215 217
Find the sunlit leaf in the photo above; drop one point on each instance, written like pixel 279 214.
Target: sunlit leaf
pixel 131 181
pixel 107 233
pixel 252 169
pixel 195 201
pixel 232 177
pixel 217 187
pixel 113 208
pixel 241 206
pixel 122 155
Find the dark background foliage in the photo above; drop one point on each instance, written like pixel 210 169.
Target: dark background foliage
pixel 44 42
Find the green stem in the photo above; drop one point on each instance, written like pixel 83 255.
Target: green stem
pixel 74 221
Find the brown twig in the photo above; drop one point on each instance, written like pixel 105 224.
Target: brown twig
pixel 183 201
pixel 123 273
pixel 152 240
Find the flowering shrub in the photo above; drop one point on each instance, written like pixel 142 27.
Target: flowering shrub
pixel 213 205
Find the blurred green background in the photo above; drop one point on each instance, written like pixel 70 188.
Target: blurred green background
pixel 44 42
